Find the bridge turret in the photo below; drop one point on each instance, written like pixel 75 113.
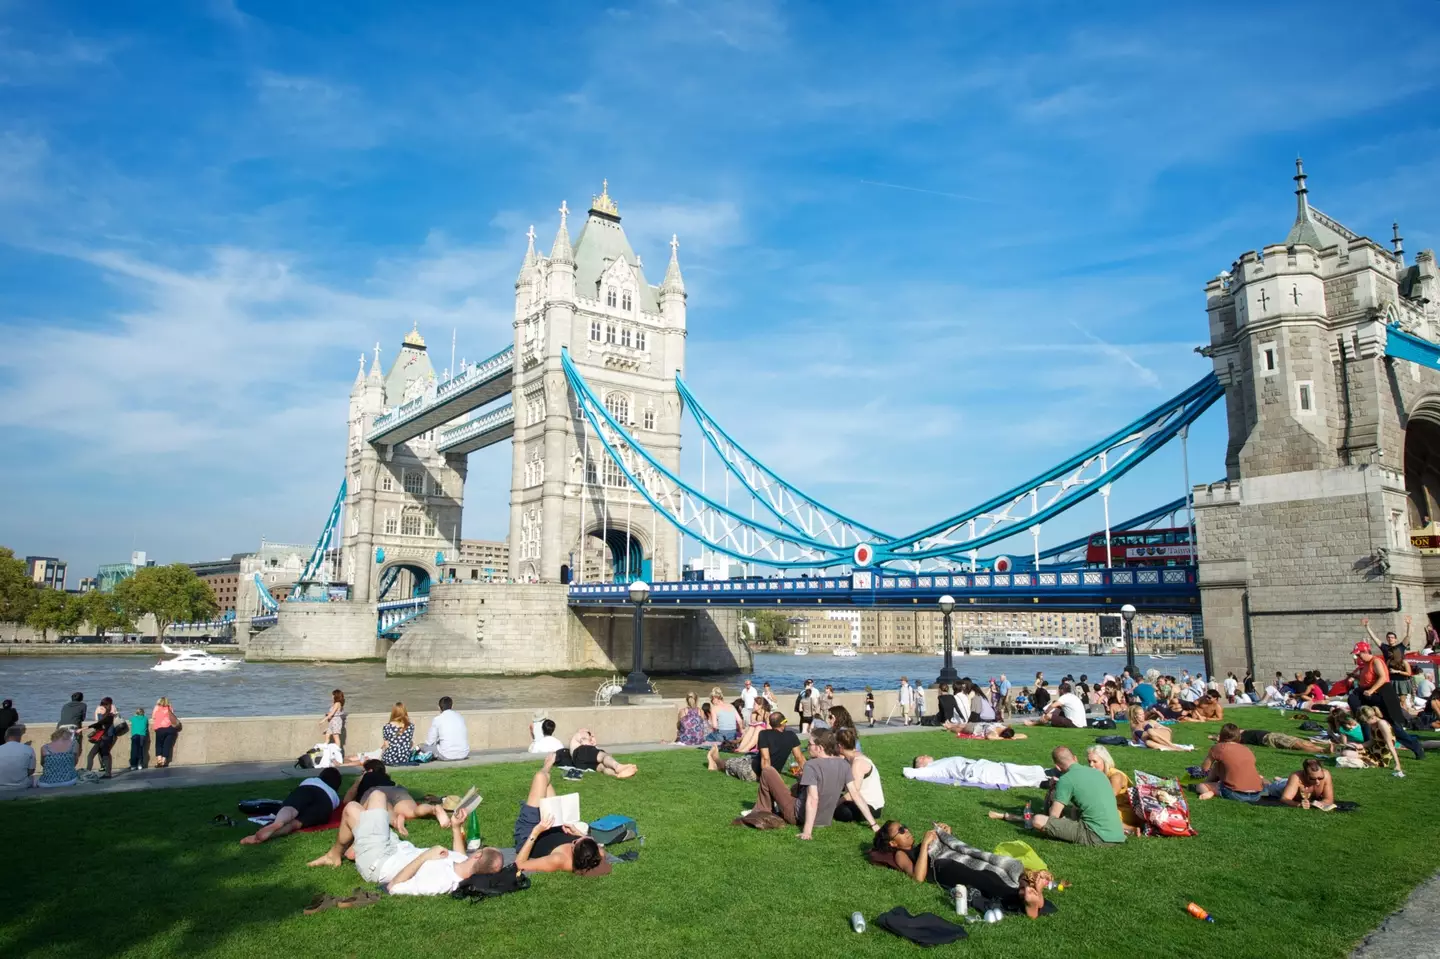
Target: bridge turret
pixel 527 283
pixel 562 261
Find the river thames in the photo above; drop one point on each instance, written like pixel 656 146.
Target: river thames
pixel 40 684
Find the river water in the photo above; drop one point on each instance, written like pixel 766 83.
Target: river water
pixel 40 684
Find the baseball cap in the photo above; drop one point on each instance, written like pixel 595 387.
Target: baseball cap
pixel 1360 647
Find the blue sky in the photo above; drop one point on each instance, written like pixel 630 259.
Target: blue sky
pixel 931 248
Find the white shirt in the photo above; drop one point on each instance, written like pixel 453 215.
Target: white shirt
pixel 1073 709
pixel 906 695
pixel 17 765
pixel 1423 686
pixel 448 736
pixel 1230 685
pixel 434 878
pixel 1272 695
pixel 748 695
pixel 546 745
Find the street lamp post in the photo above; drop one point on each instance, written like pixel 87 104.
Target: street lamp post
pixel 1127 616
pixel 637 683
pixel 947 674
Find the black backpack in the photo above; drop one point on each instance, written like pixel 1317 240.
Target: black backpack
pixel 490 885
pixel 307 759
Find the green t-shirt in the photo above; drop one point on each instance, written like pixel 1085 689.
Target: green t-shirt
pixel 139 725
pixel 1090 792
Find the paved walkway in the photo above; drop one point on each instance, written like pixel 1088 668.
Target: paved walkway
pixel 178 777
pixel 1411 932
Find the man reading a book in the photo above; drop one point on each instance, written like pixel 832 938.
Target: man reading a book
pixel 542 846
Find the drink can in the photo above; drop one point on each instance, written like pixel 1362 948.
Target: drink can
pixel 962 897
pixel 857 922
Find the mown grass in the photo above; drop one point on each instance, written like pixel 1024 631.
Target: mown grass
pixel 145 874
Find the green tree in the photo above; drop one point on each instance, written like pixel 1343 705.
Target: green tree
pixel 18 592
pixel 172 594
pixel 105 614
pixel 770 627
pixel 54 609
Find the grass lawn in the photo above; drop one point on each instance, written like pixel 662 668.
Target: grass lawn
pixel 146 874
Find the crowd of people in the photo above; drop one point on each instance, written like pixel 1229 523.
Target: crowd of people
pixel 58 760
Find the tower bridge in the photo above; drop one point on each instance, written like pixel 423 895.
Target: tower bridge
pixel 591 394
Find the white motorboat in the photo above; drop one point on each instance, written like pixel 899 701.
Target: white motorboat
pixel 1161 656
pixel 844 651
pixel 801 651
pixel 977 651
pixel 192 661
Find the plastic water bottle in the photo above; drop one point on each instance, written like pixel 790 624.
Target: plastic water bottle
pixel 1029 816
pixel 1199 913
pixel 962 900
pixel 857 921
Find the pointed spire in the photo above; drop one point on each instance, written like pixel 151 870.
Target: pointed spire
pixel 1397 242
pixel 561 251
pixel 1302 202
pixel 673 282
pixel 1304 231
pixel 360 374
pixel 375 366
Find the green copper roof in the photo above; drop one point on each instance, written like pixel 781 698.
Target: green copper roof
pixel 602 242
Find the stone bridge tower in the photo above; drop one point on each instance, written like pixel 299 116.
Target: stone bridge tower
pixel 1332 471
pixel 572 513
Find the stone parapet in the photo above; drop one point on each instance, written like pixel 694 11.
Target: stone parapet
pixel 325 632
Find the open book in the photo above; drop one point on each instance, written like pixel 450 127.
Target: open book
pixel 563 810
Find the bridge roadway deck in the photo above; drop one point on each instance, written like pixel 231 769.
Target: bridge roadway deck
pixel 474 387
pixel 1158 589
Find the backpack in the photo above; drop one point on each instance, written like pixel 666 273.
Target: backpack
pixel 1160 806
pixel 1104 722
pixel 1111 740
pixel 490 885
pixel 610 830
pixel 309 758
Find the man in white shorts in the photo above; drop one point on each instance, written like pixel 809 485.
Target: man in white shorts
pixel 383 857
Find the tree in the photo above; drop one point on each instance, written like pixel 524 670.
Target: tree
pixel 770 627
pixel 18 592
pixel 172 594
pixel 54 609
pixel 105 614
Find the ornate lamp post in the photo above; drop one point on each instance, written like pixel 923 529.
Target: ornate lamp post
pixel 1127 616
pixel 947 674
pixel 637 684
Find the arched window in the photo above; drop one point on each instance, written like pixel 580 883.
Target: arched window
pixel 429 524
pixel 614 476
pixel 591 476
pixel 625 336
pixel 610 333
pixel 649 419
pixel 640 340
pixel 595 331
pixel 625 301
pixel 610 296
pixel 415 483
pixel 618 404
pixel 387 483
pixel 410 524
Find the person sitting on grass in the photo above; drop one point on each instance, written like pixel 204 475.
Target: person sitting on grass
pixel 1264 737
pixel 1310 786
pixel 311 803
pixel 692 726
pixel 1230 769
pixel 1146 732
pixel 725 722
pixel 383 857
pixel 771 747
pixel 1380 740
pixel 1098 757
pixel 1081 807
pixel 984 731
pixel 541 846
pixel 895 847
pixel 403 806
pixel 820 784
pixel 586 755
pixel 1207 710
pixel 545 742
pixel 1067 713
pixel 865 797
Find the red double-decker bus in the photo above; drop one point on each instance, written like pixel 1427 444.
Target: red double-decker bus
pixel 1148 547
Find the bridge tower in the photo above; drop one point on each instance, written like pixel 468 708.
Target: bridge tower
pixel 403 502
pixel 1333 459
pixel 572 512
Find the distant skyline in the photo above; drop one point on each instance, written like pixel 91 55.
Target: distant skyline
pixel 931 249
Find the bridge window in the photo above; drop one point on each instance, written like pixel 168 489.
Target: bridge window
pixel 649 419
pixel 595 331
pixel 610 333
pixel 614 476
pixel 387 483
pixel 640 340
pixel 1267 358
pixel 474 574
pixel 429 525
pixel 591 476
pixel 625 336
pixel 1305 396
pixel 410 524
pixel 619 406
pixel 414 483
pixel 610 296
pixel 625 301
pixel 437 486
pixel 390 526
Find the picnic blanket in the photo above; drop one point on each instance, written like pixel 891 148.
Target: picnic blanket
pixel 333 823
pixel 980 773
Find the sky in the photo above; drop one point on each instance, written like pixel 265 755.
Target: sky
pixel 930 248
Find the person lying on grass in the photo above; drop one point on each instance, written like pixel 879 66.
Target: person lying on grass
pixel 821 783
pixel 1230 769
pixel 984 731
pixel 1264 737
pixel 1080 808
pixel 311 803
pixel 1207 710
pixel 1310 785
pixel 541 846
pixel 585 754
pixel 403 806
pixel 383 857
pixel 895 847
pixel 1148 732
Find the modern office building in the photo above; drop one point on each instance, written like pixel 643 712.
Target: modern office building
pixel 46 570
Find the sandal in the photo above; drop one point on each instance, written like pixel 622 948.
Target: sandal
pixel 222 820
pixel 320 903
pixel 359 899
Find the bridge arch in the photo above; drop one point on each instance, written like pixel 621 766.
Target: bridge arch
pixel 614 553
pixel 1422 462
pixel 405 579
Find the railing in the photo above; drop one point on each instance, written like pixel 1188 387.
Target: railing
pixel 475 374
pixel 481 424
pixel 393 615
pixel 264 622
